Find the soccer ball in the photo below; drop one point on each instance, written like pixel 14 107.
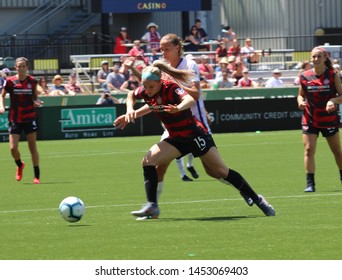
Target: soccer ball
pixel 72 209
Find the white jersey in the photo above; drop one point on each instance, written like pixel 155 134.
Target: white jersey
pixel 198 109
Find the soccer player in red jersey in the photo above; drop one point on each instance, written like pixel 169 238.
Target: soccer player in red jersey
pixel 171 103
pixel 22 89
pixel 319 91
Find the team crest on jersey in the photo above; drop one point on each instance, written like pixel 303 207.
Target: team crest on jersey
pixel 179 91
pixel 29 86
pixel 326 82
pixel 159 100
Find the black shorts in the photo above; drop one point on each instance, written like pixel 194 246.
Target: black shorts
pixel 27 127
pixel 326 132
pixel 199 146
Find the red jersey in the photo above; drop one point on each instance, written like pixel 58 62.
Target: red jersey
pixel 21 94
pixel 182 126
pixel 318 91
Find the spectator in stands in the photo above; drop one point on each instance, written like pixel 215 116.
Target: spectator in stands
pixel 306 65
pixel 115 79
pixel 138 53
pixel 194 58
pixel 151 37
pixel 191 41
pixel 132 83
pixel 154 55
pixel 204 83
pixel 248 53
pixel 121 39
pixel 246 81
pixel 228 35
pixel 205 69
pixel 221 51
pixel 234 49
pixel 201 35
pixel 238 72
pixel 58 88
pixel 102 74
pixel 6 72
pixel 107 99
pixel 222 67
pixel 3 76
pixel 231 63
pixel 124 69
pixel 72 86
pixel 224 81
pixel 337 67
pixel 42 87
pixel 275 81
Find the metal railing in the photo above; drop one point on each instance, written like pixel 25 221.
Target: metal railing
pixel 53 46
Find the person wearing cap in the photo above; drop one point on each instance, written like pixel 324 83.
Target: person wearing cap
pixel 171 103
pixel 121 38
pixel 103 73
pixel 58 88
pixel 246 81
pixel 222 67
pixel 228 35
pixel 115 79
pixel 275 80
pixel 320 92
pixel 151 37
pixel 206 70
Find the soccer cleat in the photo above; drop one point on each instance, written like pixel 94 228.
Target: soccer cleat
pixel 248 200
pixel 186 179
pixel 193 172
pixel 150 209
pixel 36 181
pixel 144 218
pixel 265 206
pixel 19 173
pixel 310 188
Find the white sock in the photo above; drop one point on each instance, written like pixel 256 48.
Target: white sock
pixel 180 165
pixel 190 160
pixel 159 189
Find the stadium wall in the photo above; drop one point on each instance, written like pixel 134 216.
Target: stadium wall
pixel 91 121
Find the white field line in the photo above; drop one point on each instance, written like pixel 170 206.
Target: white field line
pixel 307 196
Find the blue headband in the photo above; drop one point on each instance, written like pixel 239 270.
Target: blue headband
pixel 150 76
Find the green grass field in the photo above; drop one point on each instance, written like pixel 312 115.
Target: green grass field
pixel 201 220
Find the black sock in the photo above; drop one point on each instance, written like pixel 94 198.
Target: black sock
pixel 19 163
pixel 36 172
pixel 241 184
pixel 310 179
pixel 341 175
pixel 151 183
